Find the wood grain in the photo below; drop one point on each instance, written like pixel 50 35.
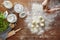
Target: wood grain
pixel 25 34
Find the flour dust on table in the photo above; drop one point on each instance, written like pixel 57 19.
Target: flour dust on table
pixel 38 21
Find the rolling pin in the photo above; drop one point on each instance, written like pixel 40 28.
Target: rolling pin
pixel 13 32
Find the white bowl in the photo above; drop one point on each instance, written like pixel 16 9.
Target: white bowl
pixel 22 15
pixel 11 18
pixel 7 4
pixel 18 8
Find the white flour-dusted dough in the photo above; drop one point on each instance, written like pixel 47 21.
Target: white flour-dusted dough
pixel 18 8
pixel 8 4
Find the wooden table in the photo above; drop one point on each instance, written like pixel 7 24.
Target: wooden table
pixel 25 34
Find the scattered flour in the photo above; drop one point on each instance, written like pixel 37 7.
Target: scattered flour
pixel 36 11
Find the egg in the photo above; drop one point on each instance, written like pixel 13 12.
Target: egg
pixel 37 26
pixel 34 22
pixel 42 24
pixel 32 26
pixel 40 17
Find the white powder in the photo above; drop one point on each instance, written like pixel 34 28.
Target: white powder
pixel 36 11
pixel 41 31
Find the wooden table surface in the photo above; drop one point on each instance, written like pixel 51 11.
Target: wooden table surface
pixel 25 34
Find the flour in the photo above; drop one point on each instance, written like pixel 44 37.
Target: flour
pixel 36 11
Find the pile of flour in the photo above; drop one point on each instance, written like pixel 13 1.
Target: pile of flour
pixel 36 11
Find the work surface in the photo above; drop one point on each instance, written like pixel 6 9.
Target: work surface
pixel 25 34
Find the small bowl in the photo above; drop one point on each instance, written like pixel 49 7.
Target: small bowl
pixel 11 18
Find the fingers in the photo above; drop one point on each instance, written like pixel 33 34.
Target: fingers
pixel 52 10
pixel 45 3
